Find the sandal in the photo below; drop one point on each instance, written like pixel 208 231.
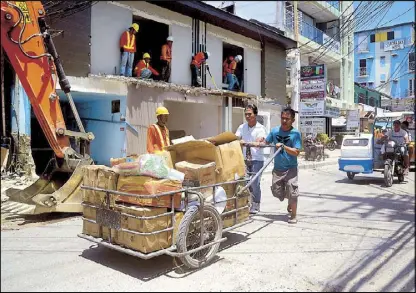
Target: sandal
pixel 292 221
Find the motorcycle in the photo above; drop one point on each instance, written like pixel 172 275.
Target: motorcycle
pixel 393 162
pixel 331 144
pixel 313 149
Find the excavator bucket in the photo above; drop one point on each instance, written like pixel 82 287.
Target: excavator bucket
pixel 60 194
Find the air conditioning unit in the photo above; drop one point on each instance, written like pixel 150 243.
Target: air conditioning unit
pixel 370 57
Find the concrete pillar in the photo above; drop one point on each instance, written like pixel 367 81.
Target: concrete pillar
pixel 21 128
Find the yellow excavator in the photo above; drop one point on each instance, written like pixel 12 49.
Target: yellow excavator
pixel 32 54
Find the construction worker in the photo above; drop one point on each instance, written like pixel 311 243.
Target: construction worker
pixel 158 133
pixel 127 49
pixel 143 68
pixel 231 77
pixel 226 67
pixel 166 58
pixel 197 60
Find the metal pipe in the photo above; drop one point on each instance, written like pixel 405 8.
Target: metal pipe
pixel 267 163
pixel 170 253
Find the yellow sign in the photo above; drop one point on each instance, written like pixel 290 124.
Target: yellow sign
pixel 25 10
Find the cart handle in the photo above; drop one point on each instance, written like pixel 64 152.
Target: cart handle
pixel 267 163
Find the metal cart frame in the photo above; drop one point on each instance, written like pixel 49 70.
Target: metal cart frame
pixel 110 218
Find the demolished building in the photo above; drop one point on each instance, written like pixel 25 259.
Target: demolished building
pixel 118 109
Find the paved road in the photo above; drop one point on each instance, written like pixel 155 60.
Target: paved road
pixel 351 236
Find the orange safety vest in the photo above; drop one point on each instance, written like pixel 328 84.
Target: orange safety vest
pixel 129 44
pixel 168 56
pixel 164 143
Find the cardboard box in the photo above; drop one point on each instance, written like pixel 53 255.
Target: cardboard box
pixel 241 202
pixel 199 170
pixel 97 231
pixel 227 155
pixel 99 176
pixel 147 243
pixel 144 185
pixel 242 216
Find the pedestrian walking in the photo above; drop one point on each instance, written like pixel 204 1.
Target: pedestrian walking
pixel 285 171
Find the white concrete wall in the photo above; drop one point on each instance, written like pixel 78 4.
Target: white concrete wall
pixel 196 119
pixel 214 46
pixel 181 54
pixel 252 71
pixel 107 23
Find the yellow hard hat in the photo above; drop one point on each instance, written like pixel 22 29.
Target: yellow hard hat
pixel 146 55
pixel 135 26
pixel 162 111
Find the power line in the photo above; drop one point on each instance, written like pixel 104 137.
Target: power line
pixel 377 26
pixel 401 64
pixel 382 7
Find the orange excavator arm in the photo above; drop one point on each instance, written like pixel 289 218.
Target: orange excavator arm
pixel 30 49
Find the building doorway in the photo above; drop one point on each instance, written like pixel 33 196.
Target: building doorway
pixel 232 50
pixel 150 39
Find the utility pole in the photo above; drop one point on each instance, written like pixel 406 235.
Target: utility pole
pixel 294 56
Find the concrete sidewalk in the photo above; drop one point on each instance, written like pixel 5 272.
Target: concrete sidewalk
pixel 331 158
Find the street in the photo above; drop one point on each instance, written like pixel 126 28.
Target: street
pixel 351 236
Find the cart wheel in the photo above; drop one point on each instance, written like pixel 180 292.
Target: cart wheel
pixel 350 175
pixel 190 235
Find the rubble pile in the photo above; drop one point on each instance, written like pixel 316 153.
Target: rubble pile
pixel 185 89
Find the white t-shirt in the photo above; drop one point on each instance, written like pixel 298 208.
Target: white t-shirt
pixel 251 134
pixel 398 137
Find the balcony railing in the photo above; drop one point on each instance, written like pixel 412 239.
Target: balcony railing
pixel 412 66
pixel 312 33
pixel 363 71
pixel 409 93
pixel 334 4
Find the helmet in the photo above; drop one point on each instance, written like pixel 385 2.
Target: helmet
pixel 135 26
pixel 146 55
pixel 238 58
pixel 169 39
pixel 162 111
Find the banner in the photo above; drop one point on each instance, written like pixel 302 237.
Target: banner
pixel 331 112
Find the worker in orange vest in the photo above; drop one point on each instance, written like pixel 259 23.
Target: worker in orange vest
pixel 143 68
pixel 158 133
pixel 231 77
pixel 197 60
pixel 226 67
pixel 166 59
pixel 127 49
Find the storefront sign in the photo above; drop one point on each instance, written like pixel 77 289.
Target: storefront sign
pixel 313 95
pixel 393 45
pixel 331 112
pixel 405 104
pixel 311 108
pixel 312 126
pixel 312 72
pixel 313 85
pixel 353 119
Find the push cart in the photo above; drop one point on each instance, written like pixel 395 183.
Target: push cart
pixel 199 233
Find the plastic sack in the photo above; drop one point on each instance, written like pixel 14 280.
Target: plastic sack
pixel 153 165
pixel 127 169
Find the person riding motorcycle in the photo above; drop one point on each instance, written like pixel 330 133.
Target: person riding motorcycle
pixel 400 137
